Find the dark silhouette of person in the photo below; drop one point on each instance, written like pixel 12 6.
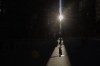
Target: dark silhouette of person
pixel 60 51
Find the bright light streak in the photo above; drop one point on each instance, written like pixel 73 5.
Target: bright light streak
pixel 61 17
pixel 60 10
pixel 60 7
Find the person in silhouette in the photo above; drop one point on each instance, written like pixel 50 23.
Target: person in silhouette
pixel 60 51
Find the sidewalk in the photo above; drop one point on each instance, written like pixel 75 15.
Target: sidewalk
pixel 55 60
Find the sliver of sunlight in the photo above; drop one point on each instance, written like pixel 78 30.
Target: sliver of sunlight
pixel 55 60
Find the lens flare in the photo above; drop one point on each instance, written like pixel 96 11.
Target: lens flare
pixel 61 17
pixel 60 10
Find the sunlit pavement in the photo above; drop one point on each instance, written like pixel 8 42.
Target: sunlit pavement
pixel 55 60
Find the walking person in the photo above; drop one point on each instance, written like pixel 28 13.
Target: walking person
pixel 60 51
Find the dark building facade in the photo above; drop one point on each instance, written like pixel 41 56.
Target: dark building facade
pixel 98 18
pixel 82 18
pixel 97 10
pixel 87 17
pixel 23 29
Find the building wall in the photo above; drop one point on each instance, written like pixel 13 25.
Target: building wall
pixel 87 17
pixel 97 10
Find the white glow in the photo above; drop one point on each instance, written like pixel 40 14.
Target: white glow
pixel 61 17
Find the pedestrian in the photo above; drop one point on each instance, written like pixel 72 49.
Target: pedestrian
pixel 60 51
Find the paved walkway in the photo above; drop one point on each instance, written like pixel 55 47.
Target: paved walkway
pixel 55 60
